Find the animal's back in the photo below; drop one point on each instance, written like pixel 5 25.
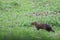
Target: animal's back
pixel 44 26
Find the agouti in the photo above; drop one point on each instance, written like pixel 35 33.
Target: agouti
pixel 42 26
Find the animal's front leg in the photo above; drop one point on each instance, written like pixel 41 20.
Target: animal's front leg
pixel 38 28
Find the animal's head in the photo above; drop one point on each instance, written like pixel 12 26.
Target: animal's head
pixel 34 23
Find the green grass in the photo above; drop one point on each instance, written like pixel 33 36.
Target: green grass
pixel 16 17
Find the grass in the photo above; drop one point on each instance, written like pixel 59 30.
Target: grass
pixel 16 17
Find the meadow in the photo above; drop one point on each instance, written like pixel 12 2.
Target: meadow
pixel 16 17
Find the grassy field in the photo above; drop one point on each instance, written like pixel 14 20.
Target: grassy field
pixel 16 17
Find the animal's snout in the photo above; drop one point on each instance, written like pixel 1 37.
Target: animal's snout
pixel 32 23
